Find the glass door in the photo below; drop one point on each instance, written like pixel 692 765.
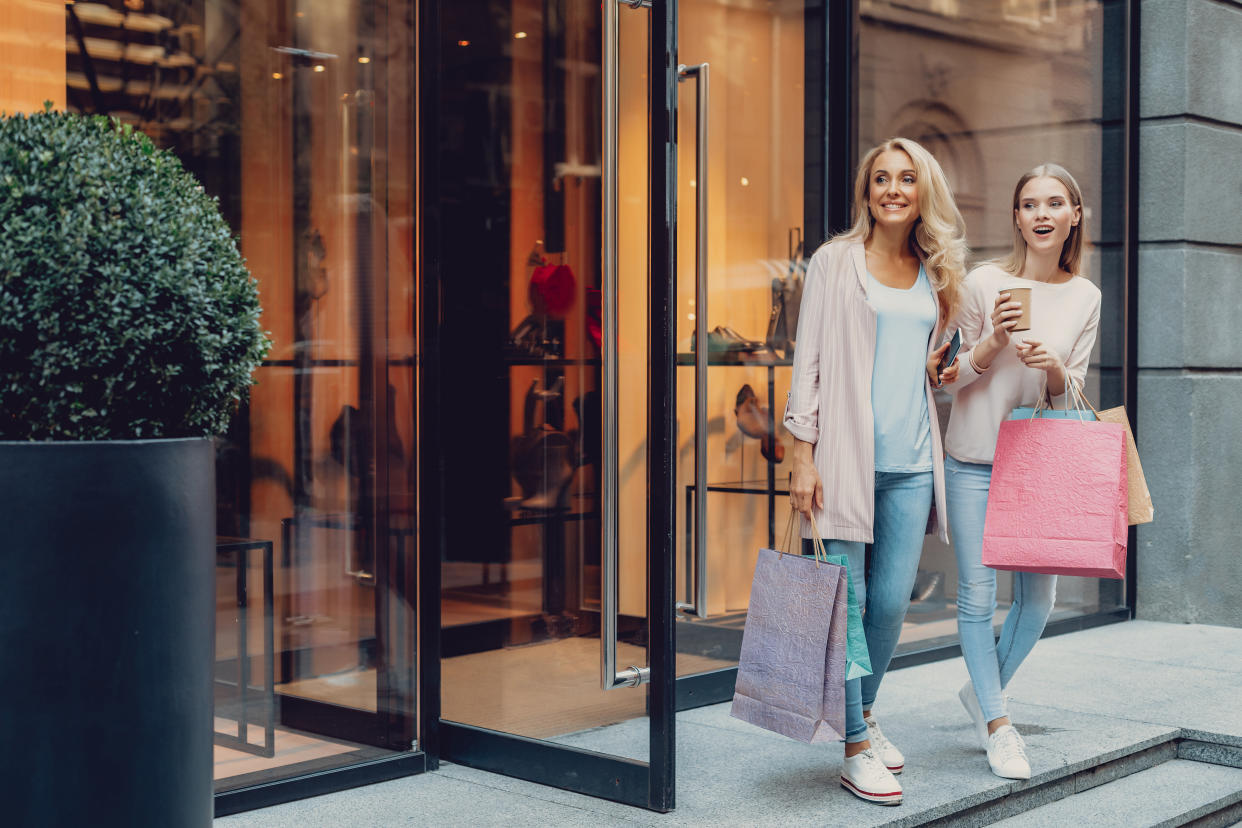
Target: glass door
pixel 549 276
pixel 750 213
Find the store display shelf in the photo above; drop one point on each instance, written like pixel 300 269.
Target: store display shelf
pixel 684 359
pixel 552 361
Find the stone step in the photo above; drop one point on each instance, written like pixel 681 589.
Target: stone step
pixel 1179 792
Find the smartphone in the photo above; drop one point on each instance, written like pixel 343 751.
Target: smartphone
pixel 951 354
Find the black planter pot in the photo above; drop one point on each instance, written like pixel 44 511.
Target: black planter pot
pixel 107 633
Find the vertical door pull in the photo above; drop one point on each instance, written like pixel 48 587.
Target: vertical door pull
pixel 696 569
pixel 610 677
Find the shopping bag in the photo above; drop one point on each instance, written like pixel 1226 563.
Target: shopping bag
pixel 1141 508
pixel 1026 413
pixel 791 673
pixel 1058 500
pixel 857 656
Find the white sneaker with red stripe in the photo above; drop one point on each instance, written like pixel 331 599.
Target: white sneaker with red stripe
pixel 886 750
pixel 865 776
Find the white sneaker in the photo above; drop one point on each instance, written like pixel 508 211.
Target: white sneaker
pixel 886 750
pixel 1007 754
pixel 971 702
pixel 865 776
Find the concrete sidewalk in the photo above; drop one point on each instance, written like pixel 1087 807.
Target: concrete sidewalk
pixel 1131 724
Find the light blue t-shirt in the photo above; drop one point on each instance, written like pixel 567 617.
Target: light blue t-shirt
pixel 905 319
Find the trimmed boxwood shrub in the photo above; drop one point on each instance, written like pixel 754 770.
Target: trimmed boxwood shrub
pixel 126 310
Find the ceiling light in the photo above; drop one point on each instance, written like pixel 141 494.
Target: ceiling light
pixel 319 67
pixel 364 59
pixel 463 43
pixel 277 76
pixel 520 36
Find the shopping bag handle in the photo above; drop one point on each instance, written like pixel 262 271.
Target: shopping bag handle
pixel 817 544
pixel 1077 399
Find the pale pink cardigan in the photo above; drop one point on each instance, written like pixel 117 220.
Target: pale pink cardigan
pixel 829 402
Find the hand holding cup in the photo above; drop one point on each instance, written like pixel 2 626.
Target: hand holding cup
pixel 1006 316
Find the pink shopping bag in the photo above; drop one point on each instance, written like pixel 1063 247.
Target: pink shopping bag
pixel 1058 503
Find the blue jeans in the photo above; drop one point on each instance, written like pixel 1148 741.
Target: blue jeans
pixel 902 503
pixel 991 665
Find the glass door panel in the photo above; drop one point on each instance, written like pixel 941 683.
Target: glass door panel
pixel 297 122
pixel 545 565
pixel 756 134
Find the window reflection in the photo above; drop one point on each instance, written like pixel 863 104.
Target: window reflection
pixel 992 89
pixel 296 115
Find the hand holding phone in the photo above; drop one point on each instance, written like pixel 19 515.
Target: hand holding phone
pixel 954 346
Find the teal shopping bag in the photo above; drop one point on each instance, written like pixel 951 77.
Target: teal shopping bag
pixel 1026 413
pixel 857 656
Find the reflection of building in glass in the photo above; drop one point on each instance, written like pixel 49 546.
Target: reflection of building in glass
pixel 992 89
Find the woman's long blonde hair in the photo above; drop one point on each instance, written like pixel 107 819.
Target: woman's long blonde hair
pixel 1071 251
pixel 938 237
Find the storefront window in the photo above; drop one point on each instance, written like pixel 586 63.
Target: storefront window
pixel 993 89
pixel 298 116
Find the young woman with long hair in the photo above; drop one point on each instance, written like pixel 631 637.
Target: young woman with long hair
pixel 867 460
pixel 998 370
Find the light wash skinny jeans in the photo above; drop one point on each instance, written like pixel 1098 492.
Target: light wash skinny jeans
pixel 991 665
pixel 902 502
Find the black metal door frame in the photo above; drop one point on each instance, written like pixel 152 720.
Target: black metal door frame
pixel 643 784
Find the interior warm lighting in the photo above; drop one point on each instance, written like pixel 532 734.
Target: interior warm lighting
pixel 520 36
pixel 463 43
pixel 277 76
pixel 690 316
pixel 364 59
pixel 301 14
pixel 319 67
pixel 692 182
pixel 745 181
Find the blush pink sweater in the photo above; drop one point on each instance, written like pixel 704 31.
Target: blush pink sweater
pixel 1064 317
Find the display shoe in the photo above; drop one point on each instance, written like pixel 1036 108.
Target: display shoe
pixel 971 702
pixel 1007 754
pixel 886 750
pixel 865 776
pixel 771 448
pixel 752 419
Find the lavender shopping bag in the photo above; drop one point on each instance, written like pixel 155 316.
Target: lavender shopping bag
pixel 1058 502
pixel 791 674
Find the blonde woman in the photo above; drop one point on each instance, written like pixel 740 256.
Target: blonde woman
pixel 997 371
pixel 867 461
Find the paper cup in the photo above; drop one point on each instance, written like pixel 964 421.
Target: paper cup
pixel 1023 296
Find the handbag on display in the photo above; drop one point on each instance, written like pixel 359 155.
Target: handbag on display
pixel 786 301
pixel 542 456
pixel 1058 501
pixel 796 645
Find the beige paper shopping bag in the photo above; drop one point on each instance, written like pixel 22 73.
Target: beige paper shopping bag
pixel 1141 509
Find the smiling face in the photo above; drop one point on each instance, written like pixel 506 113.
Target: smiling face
pixel 893 189
pixel 1045 214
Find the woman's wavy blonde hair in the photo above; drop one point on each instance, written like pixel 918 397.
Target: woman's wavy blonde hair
pixel 938 237
pixel 1071 251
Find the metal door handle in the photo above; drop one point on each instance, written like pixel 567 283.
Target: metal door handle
pixel 610 677
pixel 696 585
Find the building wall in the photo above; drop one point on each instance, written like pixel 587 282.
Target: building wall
pixel 1190 296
